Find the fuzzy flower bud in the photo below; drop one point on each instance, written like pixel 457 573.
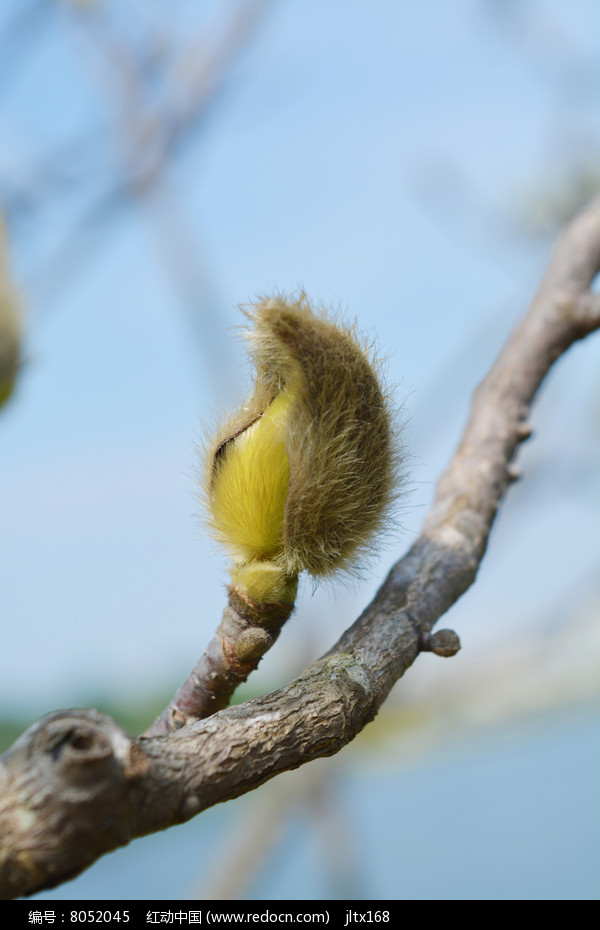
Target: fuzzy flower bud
pixel 301 478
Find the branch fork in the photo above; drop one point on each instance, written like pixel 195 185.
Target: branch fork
pixel 75 785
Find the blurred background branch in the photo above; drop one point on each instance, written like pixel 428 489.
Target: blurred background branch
pixel 10 325
pixel 158 96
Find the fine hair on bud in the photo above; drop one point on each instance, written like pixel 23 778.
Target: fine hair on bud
pixel 303 477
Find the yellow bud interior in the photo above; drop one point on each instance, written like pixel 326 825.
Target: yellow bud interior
pixel 250 487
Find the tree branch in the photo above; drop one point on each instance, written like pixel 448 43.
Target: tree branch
pixel 247 630
pixel 75 785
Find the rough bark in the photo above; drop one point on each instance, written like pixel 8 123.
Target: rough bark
pixel 75 785
pixel 246 631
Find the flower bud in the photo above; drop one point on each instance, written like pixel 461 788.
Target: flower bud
pixel 302 477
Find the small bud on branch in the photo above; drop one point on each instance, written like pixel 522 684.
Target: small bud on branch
pixel 302 477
